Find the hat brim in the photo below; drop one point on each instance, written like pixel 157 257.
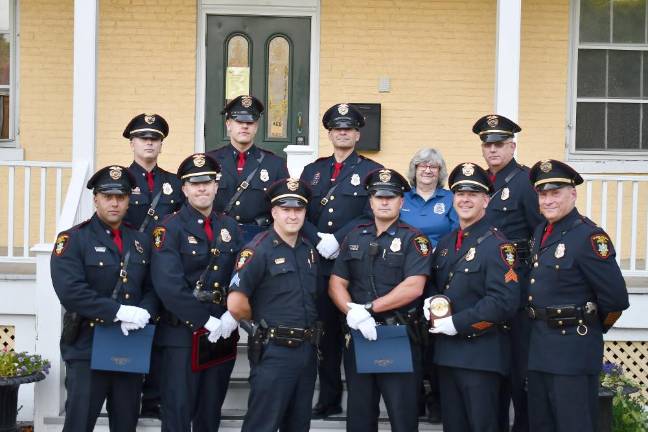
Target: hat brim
pixel 494 137
pixel 290 203
pixel 470 187
pixel 343 124
pixel 112 190
pixel 385 192
pixel 200 178
pixel 147 134
pixel 244 118
pixel 552 186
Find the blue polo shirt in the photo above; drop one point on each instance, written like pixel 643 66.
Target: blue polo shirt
pixel 435 217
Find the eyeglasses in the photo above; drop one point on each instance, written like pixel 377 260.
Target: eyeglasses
pixel 430 167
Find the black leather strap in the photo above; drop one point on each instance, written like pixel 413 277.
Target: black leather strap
pixel 123 274
pixel 243 186
pixel 151 211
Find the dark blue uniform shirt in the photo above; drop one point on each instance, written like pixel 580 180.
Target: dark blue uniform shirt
pixel 435 217
pixel 171 198
pixel 253 202
pixel 279 280
pixel 575 265
pixel 483 289
pixel 181 253
pixel 85 266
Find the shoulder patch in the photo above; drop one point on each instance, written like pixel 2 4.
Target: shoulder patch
pixel 244 257
pixel 508 255
pixel 159 233
pixel 61 244
pixel 601 245
pixel 422 245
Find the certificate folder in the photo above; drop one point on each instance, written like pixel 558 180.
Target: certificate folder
pixel 390 353
pixel 112 351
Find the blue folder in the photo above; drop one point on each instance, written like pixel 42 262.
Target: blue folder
pixel 112 351
pixel 390 353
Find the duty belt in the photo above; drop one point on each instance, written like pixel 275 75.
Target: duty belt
pixel 294 336
pixel 569 315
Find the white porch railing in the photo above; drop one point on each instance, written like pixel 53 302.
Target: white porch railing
pixel 40 184
pixel 619 204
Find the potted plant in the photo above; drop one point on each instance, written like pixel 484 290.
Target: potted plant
pixel 15 369
pixel 623 407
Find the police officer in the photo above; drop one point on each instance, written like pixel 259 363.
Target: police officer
pixel 576 294
pixel 192 262
pixel 155 194
pixel 339 200
pixel 474 268
pixel 513 209
pixel 275 286
pixel 88 265
pixel 247 170
pixel 378 278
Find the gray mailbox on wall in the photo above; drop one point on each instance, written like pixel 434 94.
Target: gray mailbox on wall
pixel 370 133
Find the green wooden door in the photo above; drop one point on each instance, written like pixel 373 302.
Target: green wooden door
pixel 269 58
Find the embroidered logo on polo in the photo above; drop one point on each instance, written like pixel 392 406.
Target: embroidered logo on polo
pixel 439 208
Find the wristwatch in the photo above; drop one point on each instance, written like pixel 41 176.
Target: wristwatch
pixel 369 307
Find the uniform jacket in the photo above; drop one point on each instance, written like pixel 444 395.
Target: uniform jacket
pixel 279 280
pixel 575 265
pixel 141 199
pixel 85 266
pixel 483 289
pixel 253 202
pixel 181 253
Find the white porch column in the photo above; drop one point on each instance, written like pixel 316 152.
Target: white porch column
pixel 85 93
pixel 507 58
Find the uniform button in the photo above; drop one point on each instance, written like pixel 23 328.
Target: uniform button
pixel 535 264
pixel 215 267
pixel 504 209
pixel 97 319
pixel 136 202
pixel 193 252
pixel 532 280
pixel 448 286
pixel 466 270
pixel 450 274
pixel 330 210
pixel 560 322
pixel 238 217
pixel 355 193
pixel 91 324
pixel 557 266
pixel 559 311
pixel 332 197
pixel 265 189
pixel 187 322
pixel 143 261
pixel 530 298
pixel 216 284
pixel 155 217
pixel 171 201
pixel 330 223
pixel 126 296
pixel 563 332
pixel 121 264
pixel 100 263
pixel 238 202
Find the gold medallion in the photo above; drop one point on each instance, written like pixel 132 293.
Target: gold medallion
pixel 292 184
pixel 384 175
pixel 545 166
pixel 246 101
pixel 492 121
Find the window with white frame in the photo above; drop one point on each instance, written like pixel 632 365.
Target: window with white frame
pixel 7 73
pixel 611 100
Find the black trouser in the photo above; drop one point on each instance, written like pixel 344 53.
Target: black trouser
pixel 151 386
pixel 191 398
pixel 87 390
pixel 331 346
pixel 563 403
pixel 399 391
pixel 469 399
pixel 282 384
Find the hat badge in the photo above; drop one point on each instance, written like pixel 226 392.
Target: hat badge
pixel 468 169
pixel 292 184
pixel 115 172
pixel 492 121
pixel 150 119
pixel 199 160
pixel 343 109
pixel 545 166
pixel 246 101
pixel 384 176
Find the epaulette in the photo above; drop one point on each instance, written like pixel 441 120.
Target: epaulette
pixel 257 239
pixel 497 233
pixel 76 227
pixel 168 217
pixel 128 225
pixel 360 226
pixel 589 221
pixel 322 158
pixel 267 151
pixel 407 227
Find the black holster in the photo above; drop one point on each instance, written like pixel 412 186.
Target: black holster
pixel 256 338
pixel 71 327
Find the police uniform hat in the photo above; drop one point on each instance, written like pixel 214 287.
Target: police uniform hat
pixel 386 182
pixel 289 192
pixel 552 174
pixel 112 180
pixel 198 168
pixel 470 177
pixel 494 127
pixel 147 126
pixel 343 116
pixel 243 108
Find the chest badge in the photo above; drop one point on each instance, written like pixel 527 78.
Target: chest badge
pixel 439 208
pixel 470 255
pixel 280 260
pixel 505 194
pixel 167 189
pixel 264 176
pixel 355 179
pixel 139 247
pixel 136 191
pixel 560 250
pixel 225 235
pixel 316 178
pixel 395 245
pixel 192 240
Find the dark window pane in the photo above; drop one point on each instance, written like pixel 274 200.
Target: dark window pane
pixel 644 127
pixel 629 21
pixel 591 73
pixel 645 73
pixel 624 74
pixel 4 59
pixel 590 126
pixel 595 21
pixel 4 115
pixel 623 126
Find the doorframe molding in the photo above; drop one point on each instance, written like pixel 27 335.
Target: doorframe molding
pixel 298 155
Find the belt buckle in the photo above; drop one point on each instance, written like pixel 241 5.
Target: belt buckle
pixel 244 185
pixel 218 296
pixel 122 273
pixel 150 211
pixel 324 201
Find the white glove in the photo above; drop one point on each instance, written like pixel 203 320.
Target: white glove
pixel 368 329
pixel 133 314
pixel 228 324
pixel 215 328
pixel 328 246
pixel 445 326
pixel 128 326
pixel 426 308
pixel 356 315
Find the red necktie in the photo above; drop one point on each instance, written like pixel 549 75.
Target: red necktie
pixel 208 229
pixel 240 162
pixel 118 240
pixel 459 240
pixel 336 170
pixel 547 233
pixel 492 177
pixel 149 180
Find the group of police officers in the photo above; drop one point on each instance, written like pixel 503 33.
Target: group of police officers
pixel 515 300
